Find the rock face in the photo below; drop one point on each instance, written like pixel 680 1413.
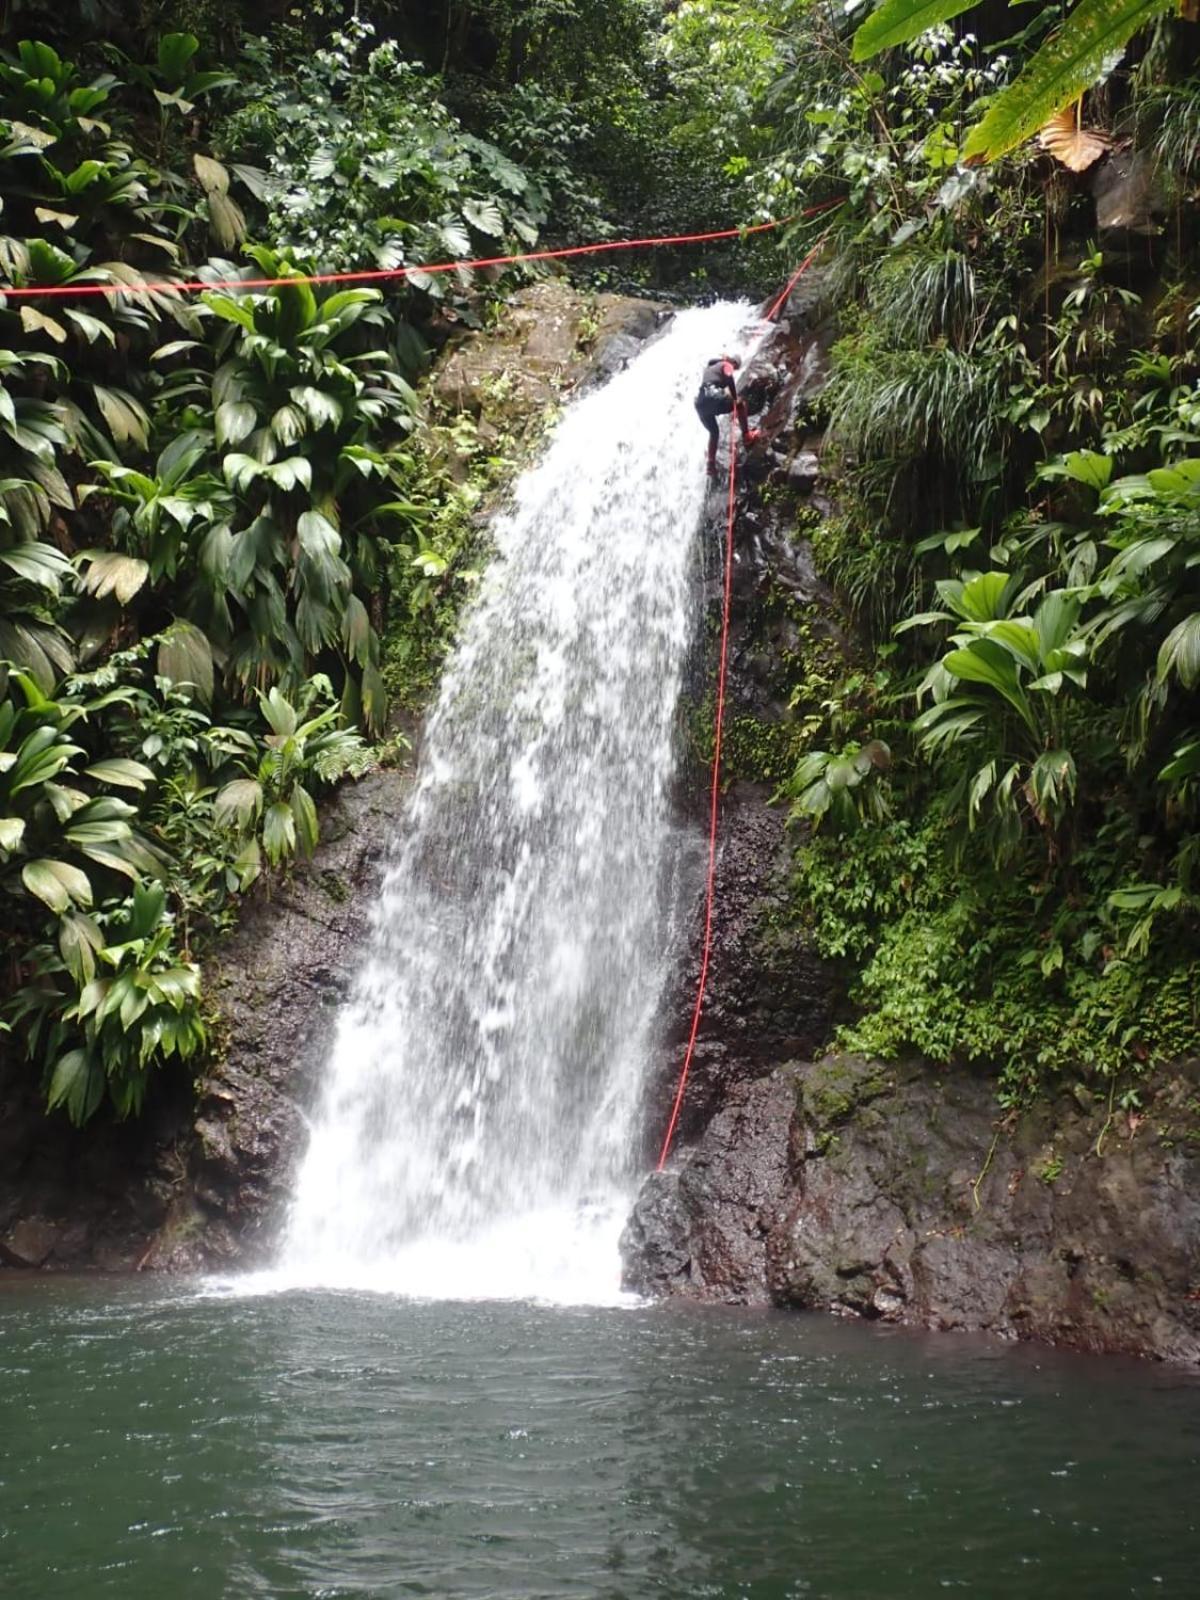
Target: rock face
pixel 550 342
pixel 886 1191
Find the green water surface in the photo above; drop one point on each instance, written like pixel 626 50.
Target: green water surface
pixel 164 1445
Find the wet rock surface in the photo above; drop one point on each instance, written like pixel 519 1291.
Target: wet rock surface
pixel 886 1191
pixel 550 342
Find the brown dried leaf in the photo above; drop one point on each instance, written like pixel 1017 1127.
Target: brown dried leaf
pixel 1077 147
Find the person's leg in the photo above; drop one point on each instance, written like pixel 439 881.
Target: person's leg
pixel 705 413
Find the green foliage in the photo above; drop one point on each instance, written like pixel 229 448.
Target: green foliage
pixel 270 809
pixel 1014 428
pixel 108 890
pixel 968 965
pixel 361 164
pixel 1079 54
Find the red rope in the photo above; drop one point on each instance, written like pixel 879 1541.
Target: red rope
pixel 714 813
pixel 388 274
pixel 715 805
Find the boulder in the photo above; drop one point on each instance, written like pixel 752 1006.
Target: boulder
pixel 890 1191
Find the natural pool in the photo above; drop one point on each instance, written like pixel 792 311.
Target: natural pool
pixel 158 1444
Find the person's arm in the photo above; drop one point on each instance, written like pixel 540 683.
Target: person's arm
pixel 727 372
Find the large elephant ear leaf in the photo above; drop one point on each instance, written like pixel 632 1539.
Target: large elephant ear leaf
pixel 898 21
pixel 1070 61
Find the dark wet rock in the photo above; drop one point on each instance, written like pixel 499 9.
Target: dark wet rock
pixel 1127 193
pixel 699 1230
pixel 889 1191
pixel 768 997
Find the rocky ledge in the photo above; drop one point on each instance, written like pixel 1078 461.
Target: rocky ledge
pixel 887 1191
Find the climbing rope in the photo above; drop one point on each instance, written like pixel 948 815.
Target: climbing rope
pixel 151 286
pixel 719 726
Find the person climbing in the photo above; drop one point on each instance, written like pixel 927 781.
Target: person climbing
pixel 718 397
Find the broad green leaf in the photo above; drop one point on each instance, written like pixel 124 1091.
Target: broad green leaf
pixel 79 938
pixel 34 321
pixel 185 657
pixel 1180 652
pixel 227 220
pixel 954 539
pixel 234 420
pixel 230 310
pixel 898 21
pixel 1052 778
pixel 923 619
pixel 1181 481
pixel 279 712
pixel 240 470
pixel 1089 467
pixel 12 831
pixel 175 50
pixel 239 802
pixel 127 419
pixel 484 215
pixel 279 832
pixel 1055 621
pixel 356 630
pixel 1185 763
pixel 39 564
pixel 57 884
pixel 146 908
pixel 288 424
pixel 988 663
pixel 320 407
pixel 124 773
pixel 177 986
pixel 77 1083
pixel 91 327
pixel 983 599
pixel 374 697
pixel 305 814
pixel 1018 638
pixel 291 473
pixel 1067 64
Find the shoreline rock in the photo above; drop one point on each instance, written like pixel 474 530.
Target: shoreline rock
pixel 892 1192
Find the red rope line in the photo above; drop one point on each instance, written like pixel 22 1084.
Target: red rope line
pixel 390 274
pixel 714 813
pixel 715 803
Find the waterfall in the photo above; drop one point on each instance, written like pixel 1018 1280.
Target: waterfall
pixel 476 1131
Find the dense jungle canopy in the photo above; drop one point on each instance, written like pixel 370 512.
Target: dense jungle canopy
pixel 235 533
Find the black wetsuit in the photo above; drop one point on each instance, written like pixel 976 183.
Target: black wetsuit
pixel 717 396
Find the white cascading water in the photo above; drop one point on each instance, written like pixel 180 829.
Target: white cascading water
pixel 477 1129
